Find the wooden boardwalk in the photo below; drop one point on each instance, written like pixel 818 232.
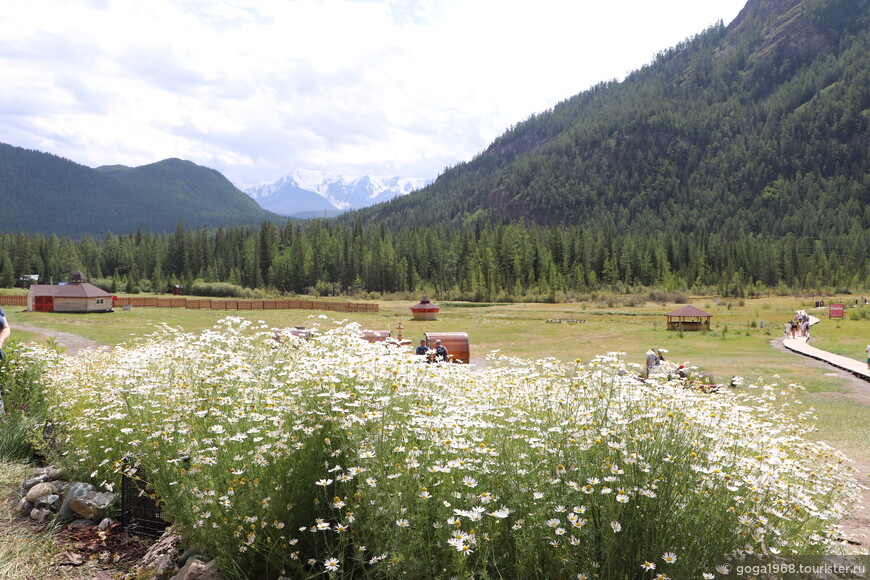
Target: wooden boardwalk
pixel 800 346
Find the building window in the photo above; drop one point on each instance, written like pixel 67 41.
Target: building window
pixel 100 301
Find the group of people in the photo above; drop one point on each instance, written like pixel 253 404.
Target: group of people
pixel 437 354
pixel 654 357
pixel 798 326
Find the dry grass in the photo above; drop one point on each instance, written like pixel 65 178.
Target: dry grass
pixel 23 552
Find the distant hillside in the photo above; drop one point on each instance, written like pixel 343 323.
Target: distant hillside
pixel 761 126
pixel 43 193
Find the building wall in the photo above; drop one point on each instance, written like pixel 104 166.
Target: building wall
pixel 62 304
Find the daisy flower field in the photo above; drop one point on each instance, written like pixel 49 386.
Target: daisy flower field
pixel 337 457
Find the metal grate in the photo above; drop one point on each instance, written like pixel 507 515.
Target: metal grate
pixel 140 509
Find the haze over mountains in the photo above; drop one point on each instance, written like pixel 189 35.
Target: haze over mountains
pixel 315 193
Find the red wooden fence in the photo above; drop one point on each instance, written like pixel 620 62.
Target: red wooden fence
pixel 13 300
pixel 219 303
pixel 238 304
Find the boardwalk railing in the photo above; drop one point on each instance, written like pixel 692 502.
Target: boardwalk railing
pixel 220 303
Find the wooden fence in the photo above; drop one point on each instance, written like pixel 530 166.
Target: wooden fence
pixel 220 304
pixel 236 304
pixel 13 300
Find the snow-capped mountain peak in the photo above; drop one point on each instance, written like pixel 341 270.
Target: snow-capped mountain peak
pixel 305 191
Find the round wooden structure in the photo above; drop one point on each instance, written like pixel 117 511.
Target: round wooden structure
pixel 425 310
pixel 456 344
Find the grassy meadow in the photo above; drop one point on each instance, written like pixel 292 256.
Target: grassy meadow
pixel 335 456
pixel 739 342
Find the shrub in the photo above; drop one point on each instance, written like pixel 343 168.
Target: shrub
pixel 23 397
pixel 217 290
pixel 16 435
pixel 337 456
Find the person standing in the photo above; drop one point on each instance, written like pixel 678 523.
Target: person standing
pixel 5 331
pixel 651 358
pixel 868 357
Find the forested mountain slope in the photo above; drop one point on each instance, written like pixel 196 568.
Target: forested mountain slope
pixel 43 193
pixel 762 127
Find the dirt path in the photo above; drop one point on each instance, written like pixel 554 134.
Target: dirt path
pixel 73 343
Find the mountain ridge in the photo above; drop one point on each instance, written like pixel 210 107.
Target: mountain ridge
pixel 730 130
pixel 47 194
pixel 306 192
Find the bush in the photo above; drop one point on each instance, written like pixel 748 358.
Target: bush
pixel 337 456
pixel 661 296
pixel 16 437
pixel 24 403
pixel 23 379
pixel 217 290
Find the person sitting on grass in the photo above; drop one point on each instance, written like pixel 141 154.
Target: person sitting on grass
pixel 422 350
pixel 440 352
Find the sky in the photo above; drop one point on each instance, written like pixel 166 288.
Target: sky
pixel 258 88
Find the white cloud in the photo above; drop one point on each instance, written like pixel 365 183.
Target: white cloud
pixel 255 89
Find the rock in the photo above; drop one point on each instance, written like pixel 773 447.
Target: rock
pixel 159 561
pixel 49 502
pixel 40 515
pixel 53 472
pixel 198 570
pixel 25 487
pixel 24 506
pixel 185 556
pixel 92 505
pixel 75 490
pixel 104 525
pixel 39 490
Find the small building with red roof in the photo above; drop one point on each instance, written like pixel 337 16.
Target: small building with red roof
pixel 77 295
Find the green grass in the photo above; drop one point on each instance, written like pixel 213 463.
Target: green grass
pixel 846 337
pixel 737 344
pixel 844 425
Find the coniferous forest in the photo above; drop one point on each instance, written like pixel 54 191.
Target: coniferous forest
pixel 516 261
pixel 737 162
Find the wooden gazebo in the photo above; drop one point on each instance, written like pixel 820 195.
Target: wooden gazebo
pixel 688 318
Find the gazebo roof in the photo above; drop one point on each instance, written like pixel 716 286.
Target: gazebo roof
pixel 690 311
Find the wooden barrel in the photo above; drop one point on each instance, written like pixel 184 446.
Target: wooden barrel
pixel 456 344
pixel 298 332
pixel 375 335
